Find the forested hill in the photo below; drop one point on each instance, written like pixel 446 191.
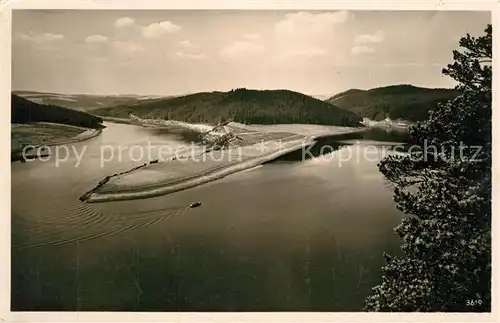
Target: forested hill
pixel 25 111
pixel 396 101
pixel 84 102
pixel 241 105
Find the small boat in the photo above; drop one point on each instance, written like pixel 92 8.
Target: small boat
pixel 196 204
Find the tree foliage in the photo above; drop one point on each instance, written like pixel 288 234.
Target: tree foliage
pixel 25 111
pixel 444 187
pixel 396 101
pixel 241 105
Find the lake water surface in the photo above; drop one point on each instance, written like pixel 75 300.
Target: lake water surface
pixel 290 235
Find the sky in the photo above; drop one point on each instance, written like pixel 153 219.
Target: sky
pixel 177 52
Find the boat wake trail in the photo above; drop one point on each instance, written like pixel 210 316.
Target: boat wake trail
pixel 95 227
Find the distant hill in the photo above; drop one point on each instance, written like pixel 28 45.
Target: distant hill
pixel 240 105
pixel 397 101
pixel 26 111
pixel 85 102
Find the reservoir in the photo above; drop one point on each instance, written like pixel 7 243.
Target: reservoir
pixel 290 235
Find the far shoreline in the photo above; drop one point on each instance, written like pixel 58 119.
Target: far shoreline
pixel 89 133
pixel 148 190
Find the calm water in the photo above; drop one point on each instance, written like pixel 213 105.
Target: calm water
pixel 287 236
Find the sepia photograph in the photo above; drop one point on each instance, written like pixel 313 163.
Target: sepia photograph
pixel 251 161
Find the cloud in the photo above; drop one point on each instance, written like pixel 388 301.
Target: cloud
pixel 242 49
pixel 124 22
pixel 358 50
pixel 52 37
pixel 378 37
pixel 307 52
pixel 127 47
pixel 159 29
pixel 191 55
pixel 41 38
pixel 96 39
pixel 251 36
pixel 307 22
pixel 186 43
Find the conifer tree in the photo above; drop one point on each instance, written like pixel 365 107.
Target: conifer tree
pixel 444 187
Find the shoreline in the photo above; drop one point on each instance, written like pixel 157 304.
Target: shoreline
pixel 150 189
pixel 86 135
pixel 115 119
pixel 92 196
pixel 80 137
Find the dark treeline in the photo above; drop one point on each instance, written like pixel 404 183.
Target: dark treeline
pixel 25 111
pixel 446 237
pixel 397 101
pixel 241 105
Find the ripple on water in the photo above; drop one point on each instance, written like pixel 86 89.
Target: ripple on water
pixel 87 225
pixel 58 220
